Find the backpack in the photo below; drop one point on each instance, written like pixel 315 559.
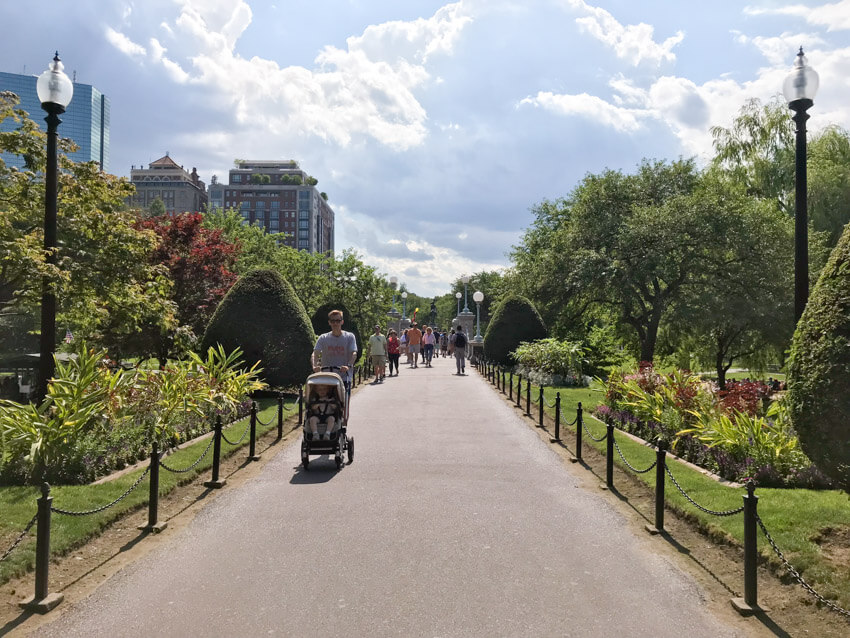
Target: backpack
pixel 460 340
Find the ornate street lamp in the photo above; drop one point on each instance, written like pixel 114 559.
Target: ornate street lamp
pixel 55 91
pixel 404 306
pixel 465 279
pixel 799 90
pixel 458 296
pixel 478 297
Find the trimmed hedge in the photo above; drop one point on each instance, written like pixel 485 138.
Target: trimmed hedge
pixel 321 326
pixel 819 369
pixel 262 316
pixel 514 321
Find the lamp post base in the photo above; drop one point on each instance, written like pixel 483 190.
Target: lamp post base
pixel 43 605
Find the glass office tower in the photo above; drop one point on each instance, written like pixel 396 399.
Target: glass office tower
pixel 86 121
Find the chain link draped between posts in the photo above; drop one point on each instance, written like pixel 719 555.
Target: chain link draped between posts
pixel 19 538
pixel 108 505
pixel 194 465
pixel 697 505
pixel 239 440
pixel 796 574
pixel 264 423
pixel 588 432
pixel 630 466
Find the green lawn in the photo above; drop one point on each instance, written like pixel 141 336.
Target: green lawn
pixel 794 517
pixel 18 504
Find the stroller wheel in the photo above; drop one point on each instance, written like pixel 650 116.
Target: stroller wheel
pixel 338 459
pixel 350 450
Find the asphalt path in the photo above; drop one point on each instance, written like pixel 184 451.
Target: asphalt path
pixel 455 519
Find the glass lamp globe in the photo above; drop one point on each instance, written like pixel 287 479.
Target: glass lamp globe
pixel 802 83
pixel 53 86
pixel 393 280
pixel 465 279
pixel 478 296
pixel 458 295
pixel 404 295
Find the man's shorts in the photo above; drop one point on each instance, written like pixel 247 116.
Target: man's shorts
pixel 414 348
pixel 378 361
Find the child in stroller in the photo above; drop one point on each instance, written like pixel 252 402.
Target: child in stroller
pixel 325 402
pixel 323 407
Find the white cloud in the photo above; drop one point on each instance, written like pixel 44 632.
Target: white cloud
pixel 590 107
pixel 634 42
pixel 123 43
pixel 835 16
pixel 780 50
pixel 366 89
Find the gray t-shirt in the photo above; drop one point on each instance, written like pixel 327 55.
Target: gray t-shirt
pixel 336 351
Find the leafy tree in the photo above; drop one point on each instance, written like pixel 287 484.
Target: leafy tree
pixel 257 248
pixel 262 316
pixel 104 284
pixel 759 149
pixel 628 243
pixel 515 320
pixel 818 383
pixel 156 208
pixel 200 262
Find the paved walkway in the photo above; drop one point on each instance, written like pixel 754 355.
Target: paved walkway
pixel 454 520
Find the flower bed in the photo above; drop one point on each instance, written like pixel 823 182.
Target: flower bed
pixel 739 434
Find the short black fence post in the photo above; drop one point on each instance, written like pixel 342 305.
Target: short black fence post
pixel 528 397
pixel 280 416
pixel 511 386
pixel 557 417
pixel 540 416
pixel 609 458
pixel 503 380
pixel 42 601
pixel 749 604
pixel 579 426
pixel 300 406
pixel 519 391
pixel 215 482
pixel 153 494
pixel 660 464
pixel 252 443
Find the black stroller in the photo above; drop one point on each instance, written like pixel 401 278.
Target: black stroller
pixel 333 439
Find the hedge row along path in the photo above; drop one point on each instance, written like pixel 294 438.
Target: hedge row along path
pixel 455 519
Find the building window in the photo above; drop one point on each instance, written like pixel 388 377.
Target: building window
pixel 303 234
pixel 276 204
pixel 245 205
pixel 274 225
pixel 236 179
pixel 260 205
pixel 304 224
pixel 274 214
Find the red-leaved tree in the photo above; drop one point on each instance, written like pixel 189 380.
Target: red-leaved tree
pixel 200 261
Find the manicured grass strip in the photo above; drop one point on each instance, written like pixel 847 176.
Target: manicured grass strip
pixel 794 517
pixel 18 504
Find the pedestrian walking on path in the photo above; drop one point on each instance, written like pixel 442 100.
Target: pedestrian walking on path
pixel 459 346
pixel 378 352
pixel 393 354
pixel 335 349
pixel 414 340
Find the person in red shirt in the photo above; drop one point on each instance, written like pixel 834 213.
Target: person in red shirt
pixel 414 339
pixel 393 350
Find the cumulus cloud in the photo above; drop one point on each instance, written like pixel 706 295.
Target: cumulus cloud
pixel 590 107
pixel 365 90
pixel 634 43
pixel 780 50
pixel 835 16
pixel 124 44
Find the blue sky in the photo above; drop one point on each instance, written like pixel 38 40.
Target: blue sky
pixel 433 126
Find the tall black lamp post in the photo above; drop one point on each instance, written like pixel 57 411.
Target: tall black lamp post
pixel 54 92
pixel 799 90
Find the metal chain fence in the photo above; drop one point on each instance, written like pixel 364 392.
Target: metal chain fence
pixel 238 441
pixel 630 466
pixel 108 505
pixel 697 505
pixel 191 467
pixel 796 574
pixel 588 432
pixel 19 539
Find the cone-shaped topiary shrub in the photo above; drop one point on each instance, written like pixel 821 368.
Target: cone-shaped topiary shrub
pixel 321 325
pixel 515 320
pixel 819 369
pixel 262 315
